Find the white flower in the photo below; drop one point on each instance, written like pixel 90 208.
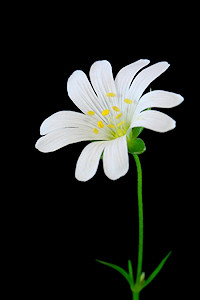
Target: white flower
pixel 110 108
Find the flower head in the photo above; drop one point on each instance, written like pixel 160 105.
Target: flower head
pixel 110 109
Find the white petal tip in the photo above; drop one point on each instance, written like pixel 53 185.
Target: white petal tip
pixel 39 146
pixel 171 126
pixel 42 130
pixel 82 176
pixel 82 179
pixel 165 63
pixel 113 177
pixel 181 99
pixel 147 61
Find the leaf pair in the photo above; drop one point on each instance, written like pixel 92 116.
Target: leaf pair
pixel 127 276
pixel 138 286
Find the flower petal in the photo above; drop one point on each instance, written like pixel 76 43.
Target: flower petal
pixel 102 80
pixel 60 138
pixel 159 99
pixel 115 158
pixel 88 161
pixel 126 75
pixel 80 91
pixel 63 119
pixel 144 78
pixel 154 120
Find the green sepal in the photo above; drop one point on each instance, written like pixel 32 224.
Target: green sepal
pixel 136 146
pixel 136 131
pixel 156 271
pixel 119 269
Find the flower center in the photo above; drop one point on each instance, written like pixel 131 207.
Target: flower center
pixel 114 122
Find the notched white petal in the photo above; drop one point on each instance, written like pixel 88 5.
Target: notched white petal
pixel 159 98
pixel 115 158
pixel 88 161
pixel 102 79
pixel 60 138
pixel 62 119
pixel 144 78
pixel 81 92
pixel 154 120
pixel 126 74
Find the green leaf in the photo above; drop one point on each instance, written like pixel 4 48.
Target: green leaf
pixel 130 269
pixel 136 131
pixel 156 271
pixel 136 146
pixel 117 268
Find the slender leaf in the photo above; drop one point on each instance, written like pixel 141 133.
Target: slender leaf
pixel 117 268
pixel 157 270
pixel 130 269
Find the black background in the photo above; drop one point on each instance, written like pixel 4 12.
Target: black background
pixel 63 225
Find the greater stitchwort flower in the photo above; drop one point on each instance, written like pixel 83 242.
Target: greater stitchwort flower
pixel 110 110
pixel 114 113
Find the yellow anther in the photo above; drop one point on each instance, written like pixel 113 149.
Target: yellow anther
pixel 91 113
pixel 110 95
pixel 116 108
pixel 110 126
pixel 105 112
pixel 100 124
pixel 118 116
pixel 95 130
pixel 119 124
pixel 128 101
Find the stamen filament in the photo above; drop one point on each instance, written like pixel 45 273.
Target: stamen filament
pixel 121 123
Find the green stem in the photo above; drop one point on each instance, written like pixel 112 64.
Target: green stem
pixel 135 296
pixel 140 213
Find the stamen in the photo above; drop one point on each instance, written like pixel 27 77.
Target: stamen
pixel 118 116
pixel 110 94
pixel 119 124
pixel 110 126
pixel 128 101
pixel 100 124
pixel 95 130
pixel 91 113
pixel 116 108
pixel 105 112
pixel 119 131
